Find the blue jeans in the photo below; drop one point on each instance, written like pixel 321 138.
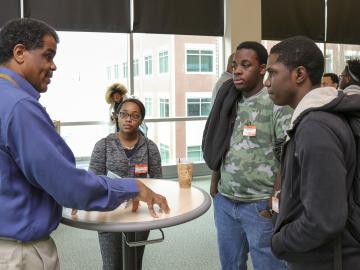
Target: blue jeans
pixel 241 229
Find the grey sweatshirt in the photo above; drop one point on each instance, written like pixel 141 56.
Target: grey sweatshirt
pixel 109 155
pixel 352 89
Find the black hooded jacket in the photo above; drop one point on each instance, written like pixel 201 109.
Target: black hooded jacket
pixel 318 168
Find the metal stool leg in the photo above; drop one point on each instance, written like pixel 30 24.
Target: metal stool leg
pixel 129 248
pixel 129 255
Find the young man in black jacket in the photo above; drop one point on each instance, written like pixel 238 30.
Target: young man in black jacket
pixel 318 163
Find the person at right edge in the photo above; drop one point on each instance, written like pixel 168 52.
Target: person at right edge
pixel 318 164
pixel 350 77
pixel 241 138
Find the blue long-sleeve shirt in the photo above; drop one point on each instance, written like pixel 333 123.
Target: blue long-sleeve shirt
pixel 37 169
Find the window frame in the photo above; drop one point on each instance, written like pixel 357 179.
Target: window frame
pixel 199 95
pixel 136 67
pixel 161 150
pixel 148 65
pixel 147 115
pixel 159 62
pixel 200 47
pixel 109 73
pixel 116 72
pixel 125 67
pixel 160 105
pixel 199 150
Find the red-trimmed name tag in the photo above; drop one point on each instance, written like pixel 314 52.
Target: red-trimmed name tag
pixel 249 130
pixel 141 168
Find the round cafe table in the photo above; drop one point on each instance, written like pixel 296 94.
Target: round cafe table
pixel 185 204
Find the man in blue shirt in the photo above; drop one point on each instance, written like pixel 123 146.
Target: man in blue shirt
pixel 37 169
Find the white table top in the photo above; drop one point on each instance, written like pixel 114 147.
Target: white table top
pixel 185 205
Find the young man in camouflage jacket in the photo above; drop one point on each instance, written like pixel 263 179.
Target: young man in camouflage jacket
pixel 243 185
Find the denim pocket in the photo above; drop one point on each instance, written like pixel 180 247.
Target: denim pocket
pixel 264 225
pixel 259 208
pixel 265 214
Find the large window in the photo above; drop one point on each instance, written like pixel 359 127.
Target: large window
pixel 194 153
pixel 86 118
pixel 148 65
pixel 198 106
pixel 166 91
pixel 163 62
pixel 164 107
pixel 199 60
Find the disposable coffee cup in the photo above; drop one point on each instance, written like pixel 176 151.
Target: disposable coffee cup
pixel 184 169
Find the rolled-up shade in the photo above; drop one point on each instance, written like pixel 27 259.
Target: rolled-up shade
pixel 284 18
pixel 342 21
pixel 9 9
pixel 82 15
pixel 187 17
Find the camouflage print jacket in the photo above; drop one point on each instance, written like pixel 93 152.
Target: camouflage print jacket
pixel 250 166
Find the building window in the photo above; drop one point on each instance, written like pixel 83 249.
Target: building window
pixel 148 107
pixel 125 69
pixel 163 62
pixel 148 65
pixel 164 153
pixel 194 153
pixel 136 67
pixel 164 107
pixel 108 70
pixel 198 106
pixel 116 72
pixel 199 60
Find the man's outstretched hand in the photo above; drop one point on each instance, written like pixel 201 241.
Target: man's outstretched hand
pixel 150 198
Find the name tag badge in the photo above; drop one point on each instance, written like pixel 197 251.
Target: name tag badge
pixel 275 201
pixel 141 168
pixel 249 130
pixel 275 204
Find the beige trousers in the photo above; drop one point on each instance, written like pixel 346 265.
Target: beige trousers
pixel 33 255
